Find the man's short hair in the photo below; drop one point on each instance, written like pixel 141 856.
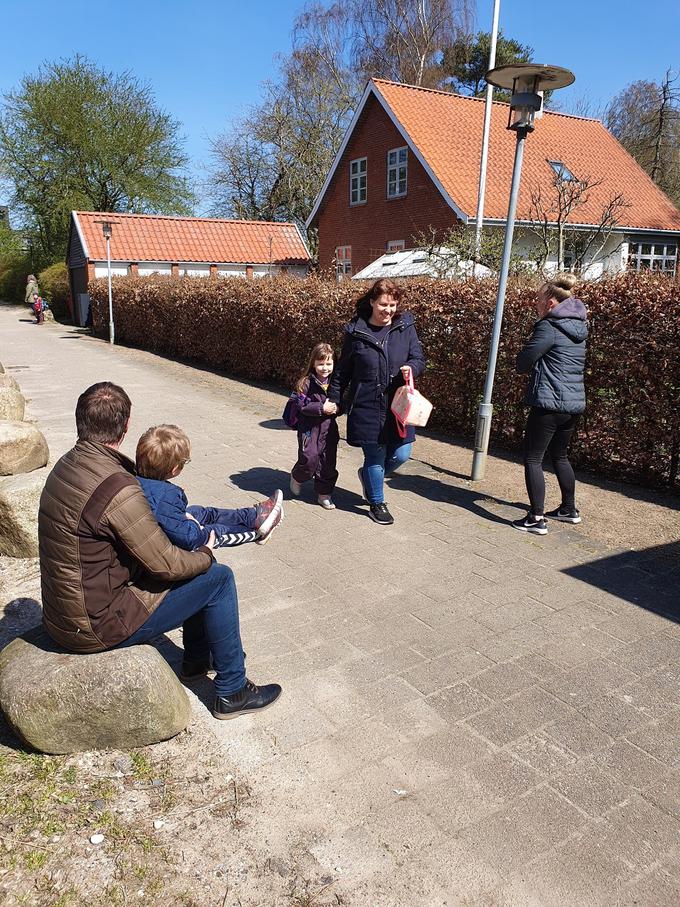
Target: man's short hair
pixel 161 450
pixel 102 413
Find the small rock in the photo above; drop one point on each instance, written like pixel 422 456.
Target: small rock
pixel 98 805
pixel 158 823
pixel 123 764
pixel 96 839
pixel 399 792
pixel 157 782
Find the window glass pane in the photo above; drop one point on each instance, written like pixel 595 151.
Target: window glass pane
pixel 402 155
pixel 353 166
pixel 392 157
pixel 645 249
pixel 362 165
pixel 402 187
pixel 392 187
pixel 644 263
pixel 671 250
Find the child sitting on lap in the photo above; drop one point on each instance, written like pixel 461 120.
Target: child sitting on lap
pixel 162 453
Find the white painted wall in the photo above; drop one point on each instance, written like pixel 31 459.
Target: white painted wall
pixel 116 270
pixel 194 270
pixel 612 259
pixel 147 268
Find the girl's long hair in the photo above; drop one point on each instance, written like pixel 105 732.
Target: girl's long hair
pixel 320 351
pixel 383 286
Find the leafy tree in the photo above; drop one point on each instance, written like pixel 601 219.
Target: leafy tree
pixel 273 162
pixel 78 137
pixel 465 62
pixel 645 118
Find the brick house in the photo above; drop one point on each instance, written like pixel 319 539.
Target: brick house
pixel 144 244
pixel 409 164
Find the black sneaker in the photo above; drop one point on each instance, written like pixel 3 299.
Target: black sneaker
pixel 380 514
pixel 248 699
pixel 531 524
pixel 564 515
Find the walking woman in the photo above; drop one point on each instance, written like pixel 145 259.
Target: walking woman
pixel 554 357
pixel 380 346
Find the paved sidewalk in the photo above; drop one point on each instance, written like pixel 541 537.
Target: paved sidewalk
pixel 470 715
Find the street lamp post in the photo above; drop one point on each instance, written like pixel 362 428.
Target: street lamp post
pixel 107 230
pixel 527 81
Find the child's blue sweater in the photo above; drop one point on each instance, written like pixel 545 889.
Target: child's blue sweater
pixel 169 505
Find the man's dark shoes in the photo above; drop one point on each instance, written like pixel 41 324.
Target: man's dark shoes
pixel 380 514
pixel 248 699
pixel 564 514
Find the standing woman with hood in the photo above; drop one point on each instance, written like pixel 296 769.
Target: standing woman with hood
pixel 379 348
pixel 555 358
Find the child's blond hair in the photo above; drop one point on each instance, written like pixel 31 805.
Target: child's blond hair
pixel 160 450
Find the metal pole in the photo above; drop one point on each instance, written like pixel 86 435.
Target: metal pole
pixel 108 265
pixel 485 407
pixel 485 138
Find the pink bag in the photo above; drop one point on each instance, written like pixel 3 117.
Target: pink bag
pixel 409 406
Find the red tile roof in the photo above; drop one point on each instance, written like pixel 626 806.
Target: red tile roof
pixel 447 130
pixel 149 237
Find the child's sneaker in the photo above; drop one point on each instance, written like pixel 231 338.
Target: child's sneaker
pixel 325 501
pixel 531 524
pixel 564 514
pixel 295 487
pixel 269 514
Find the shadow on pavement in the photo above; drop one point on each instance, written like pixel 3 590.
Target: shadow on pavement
pixel 435 490
pixel 649 578
pixel 275 425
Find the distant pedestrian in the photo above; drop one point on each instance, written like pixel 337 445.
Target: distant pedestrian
pixel 380 347
pixel 162 453
pixel 317 429
pixel 554 357
pixel 31 288
pixel 38 308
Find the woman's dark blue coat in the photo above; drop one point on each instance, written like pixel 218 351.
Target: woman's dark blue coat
pixel 368 371
pixel 555 355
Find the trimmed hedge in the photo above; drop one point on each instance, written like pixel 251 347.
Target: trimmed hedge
pixel 54 285
pixel 264 330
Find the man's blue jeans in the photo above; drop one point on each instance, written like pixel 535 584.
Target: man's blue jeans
pixel 380 460
pixel 206 607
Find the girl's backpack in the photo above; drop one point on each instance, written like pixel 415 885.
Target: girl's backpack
pixel 291 411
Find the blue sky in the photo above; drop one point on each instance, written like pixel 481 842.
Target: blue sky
pixel 206 60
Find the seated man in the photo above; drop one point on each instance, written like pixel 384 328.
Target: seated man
pixel 111 577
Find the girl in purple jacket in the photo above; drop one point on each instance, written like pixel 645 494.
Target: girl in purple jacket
pixel 317 429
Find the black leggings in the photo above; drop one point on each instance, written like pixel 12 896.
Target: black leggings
pixel 549 432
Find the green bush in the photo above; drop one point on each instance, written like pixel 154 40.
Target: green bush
pixel 14 269
pixel 264 329
pixel 55 289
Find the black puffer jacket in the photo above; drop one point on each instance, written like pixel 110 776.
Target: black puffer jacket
pixel 371 370
pixel 555 355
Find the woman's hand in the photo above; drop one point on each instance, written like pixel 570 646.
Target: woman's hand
pixel 406 373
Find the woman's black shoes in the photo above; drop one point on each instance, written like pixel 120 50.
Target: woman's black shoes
pixel 248 699
pixel 530 523
pixel 380 514
pixel 564 515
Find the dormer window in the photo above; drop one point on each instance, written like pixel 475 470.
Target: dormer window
pixel 562 172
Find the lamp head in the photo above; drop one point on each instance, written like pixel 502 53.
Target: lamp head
pixel 106 229
pixel 528 81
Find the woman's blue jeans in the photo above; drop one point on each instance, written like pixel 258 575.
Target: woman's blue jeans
pixel 380 460
pixel 206 607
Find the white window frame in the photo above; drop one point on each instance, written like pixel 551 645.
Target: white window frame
pixel 343 262
pixel 397 172
pixel 396 245
pixel 649 254
pixel 358 181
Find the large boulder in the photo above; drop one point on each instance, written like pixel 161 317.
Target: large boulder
pixel 12 403
pixel 23 448
pixel 19 500
pixel 63 703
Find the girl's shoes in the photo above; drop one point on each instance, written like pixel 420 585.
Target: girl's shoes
pixel 295 487
pixel 325 501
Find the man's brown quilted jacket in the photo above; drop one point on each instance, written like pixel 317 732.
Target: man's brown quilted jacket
pixel 105 563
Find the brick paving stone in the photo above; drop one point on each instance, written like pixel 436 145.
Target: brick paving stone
pixel 522 691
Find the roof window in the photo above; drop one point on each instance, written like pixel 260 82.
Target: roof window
pixel 563 172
